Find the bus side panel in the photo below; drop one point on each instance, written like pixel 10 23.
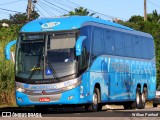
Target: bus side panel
pixel 151 81
pixel 99 74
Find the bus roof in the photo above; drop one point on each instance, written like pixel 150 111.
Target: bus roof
pixel 65 23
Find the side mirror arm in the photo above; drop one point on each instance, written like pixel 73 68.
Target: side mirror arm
pixel 79 45
pixel 8 49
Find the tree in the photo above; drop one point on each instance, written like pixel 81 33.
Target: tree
pixel 136 18
pixel 21 18
pixel 18 18
pixel 80 11
pixel 153 17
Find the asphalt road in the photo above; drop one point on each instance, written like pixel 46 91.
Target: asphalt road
pixel 19 113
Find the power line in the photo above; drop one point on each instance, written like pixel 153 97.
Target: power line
pixel 40 11
pixel 108 16
pixel 153 4
pixel 60 2
pixel 57 6
pixel 52 8
pixel 49 11
pixel 44 9
pixel 2 12
pixel 9 10
pixel 10 2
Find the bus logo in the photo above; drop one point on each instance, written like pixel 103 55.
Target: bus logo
pixel 50 25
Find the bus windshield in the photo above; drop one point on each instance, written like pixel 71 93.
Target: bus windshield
pixel 61 54
pixel 30 56
pixel 45 56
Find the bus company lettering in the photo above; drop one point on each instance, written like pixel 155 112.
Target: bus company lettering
pixel 120 67
pixel 68 83
pixel 44 87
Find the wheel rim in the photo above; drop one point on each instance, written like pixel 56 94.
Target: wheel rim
pixel 143 98
pixel 95 101
pixel 138 99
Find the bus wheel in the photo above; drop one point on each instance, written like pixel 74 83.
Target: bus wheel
pixel 137 102
pixel 143 98
pixel 96 98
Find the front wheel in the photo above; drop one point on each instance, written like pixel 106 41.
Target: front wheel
pixel 95 106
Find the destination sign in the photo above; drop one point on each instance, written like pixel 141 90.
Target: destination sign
pixel 33 37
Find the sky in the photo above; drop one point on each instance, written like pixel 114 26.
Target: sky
pixel 109 9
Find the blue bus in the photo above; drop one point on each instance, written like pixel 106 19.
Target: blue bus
pixel 83 61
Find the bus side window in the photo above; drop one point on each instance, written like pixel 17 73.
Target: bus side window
pixel 119 43
pixel 137 47
pixel 108 42
pixel 145 48
pixel 97 48
pixel 151 48
pixel 128 44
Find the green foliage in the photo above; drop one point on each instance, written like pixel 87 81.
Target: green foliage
pixel 80 11
pixel 20 18
pixel 7 67
pixel 136 18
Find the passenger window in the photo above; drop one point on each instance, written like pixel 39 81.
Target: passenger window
pixel 129 49
pixel 137 47
pixel 119 44
pixel 145 48
pixel 97 42
pixel 151 49
pixel 108 42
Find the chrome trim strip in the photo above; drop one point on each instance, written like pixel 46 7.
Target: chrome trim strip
pixel 49 89
pixel 52 92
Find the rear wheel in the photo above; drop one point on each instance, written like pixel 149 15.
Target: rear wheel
pixel 143 98
pixel 95 106
pixel 137 102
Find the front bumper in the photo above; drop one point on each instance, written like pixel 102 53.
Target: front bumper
pixel 68 97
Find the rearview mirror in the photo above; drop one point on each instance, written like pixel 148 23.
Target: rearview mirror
pixel 79 45
pixel 8 54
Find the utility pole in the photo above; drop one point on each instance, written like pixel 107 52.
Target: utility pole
pixel 145 10
pixel 29 9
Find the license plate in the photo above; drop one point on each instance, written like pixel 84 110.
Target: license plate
pixel 44 99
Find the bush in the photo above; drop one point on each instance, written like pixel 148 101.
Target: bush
pixel 7 67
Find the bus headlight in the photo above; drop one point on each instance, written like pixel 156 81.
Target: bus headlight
pixel 20 89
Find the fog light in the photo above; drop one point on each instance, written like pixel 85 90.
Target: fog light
pixel 19 99
pixel 70 97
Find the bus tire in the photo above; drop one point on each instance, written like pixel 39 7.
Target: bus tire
pixel 96 99
pixel 143 98
pixel 137 102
